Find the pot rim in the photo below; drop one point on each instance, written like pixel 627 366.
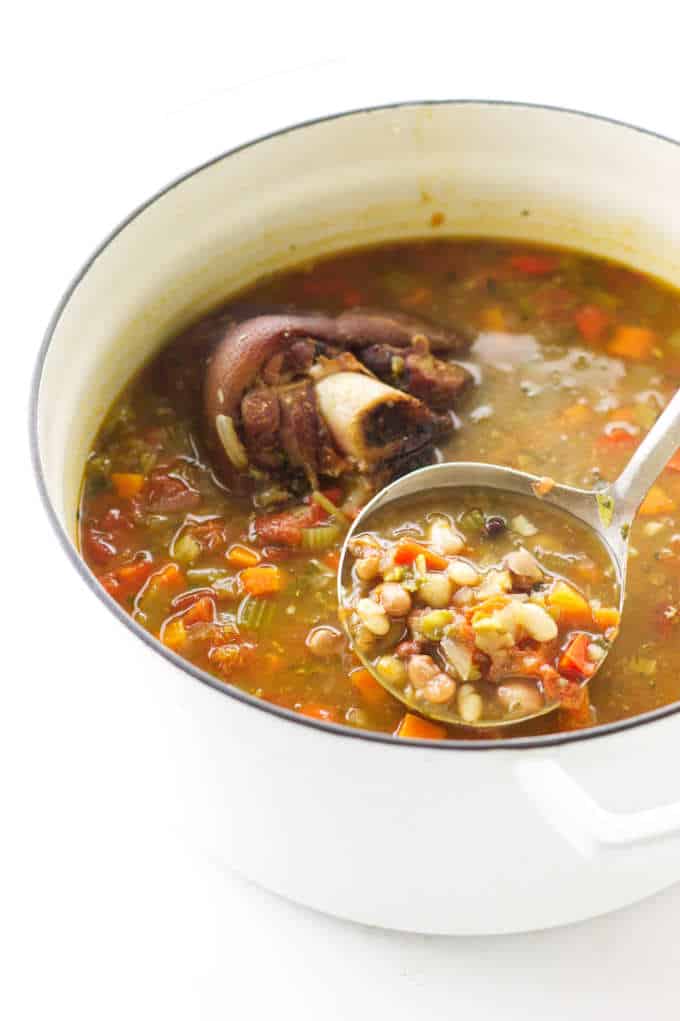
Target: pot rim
pixel 289 715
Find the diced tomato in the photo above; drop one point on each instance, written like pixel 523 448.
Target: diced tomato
pixel 211 534
pixel 534 264
pixel 591 322
pixel 128 579
pixel 116 520
pixel 574 660
pixel 567 691
pixel 98 546
pixel 279 529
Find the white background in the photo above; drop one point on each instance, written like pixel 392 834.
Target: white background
pixel 101 914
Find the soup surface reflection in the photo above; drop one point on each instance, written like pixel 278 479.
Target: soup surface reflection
pixel 573 359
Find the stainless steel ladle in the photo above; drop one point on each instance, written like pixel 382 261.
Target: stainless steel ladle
pixel 608 511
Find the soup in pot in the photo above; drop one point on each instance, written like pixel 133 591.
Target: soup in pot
pixel 220 486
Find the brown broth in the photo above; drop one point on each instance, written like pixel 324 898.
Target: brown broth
pixel 554 396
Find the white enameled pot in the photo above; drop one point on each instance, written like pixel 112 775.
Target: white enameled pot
pixel 436 838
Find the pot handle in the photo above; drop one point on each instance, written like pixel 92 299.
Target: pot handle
pixel 588 827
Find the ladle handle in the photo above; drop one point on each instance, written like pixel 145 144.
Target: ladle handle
pixel 648 461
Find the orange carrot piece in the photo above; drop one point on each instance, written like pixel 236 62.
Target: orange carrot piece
pixel 242 556
pixel 573 607
pixel 634 342
pixel 202 610
pixel 656 502
pixel 173 633
pixel 371 691
pixel 407 551
pixel 591 322
pixel 169 576
pixel 416 727
pixel 127 484
pixel 263 581
pixel 492 318
pixel 606 617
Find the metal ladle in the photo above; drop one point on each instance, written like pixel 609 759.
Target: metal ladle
pixel 608 511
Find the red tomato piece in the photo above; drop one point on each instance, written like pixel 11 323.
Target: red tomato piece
pixel 591 322
pixel 534 264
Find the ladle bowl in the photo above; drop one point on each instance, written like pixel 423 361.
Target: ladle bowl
pixel 607 511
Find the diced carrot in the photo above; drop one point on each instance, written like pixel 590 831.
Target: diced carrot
pixel 493 318
pixel 168 577
pixel 674 463
pixel 617 438
pixel 634 342
pixel 132 576
pixel 606 617
pixel 574 608
pixel 127 484
pixel 416 727
pixel 263 581
pixel 576 415
pixel 370 690
pixel 407 551
pixel 242 556
pixel 202 610
pixel 319 712
pixel 173 633
pixel 332 559
pixel 656 502
pixel 420 296
pixel 534 264
pixel 574 659
pixel 591 322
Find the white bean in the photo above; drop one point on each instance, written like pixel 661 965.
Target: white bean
pixel 462 573
pixel 325 642
pixel 537 622
pixel 440 689
pixel 392 669
pixel 470 704
pixel 373 616
pixel 367 568
pixel 421 670
pixel 520 697
pixel 394 599
pixel 436 590
pixel 445 539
